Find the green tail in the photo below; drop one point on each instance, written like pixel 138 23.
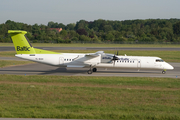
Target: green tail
pixel 22 44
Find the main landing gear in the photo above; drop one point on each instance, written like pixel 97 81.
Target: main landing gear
pixel 94 69
pixel 164 72
pixel 91 70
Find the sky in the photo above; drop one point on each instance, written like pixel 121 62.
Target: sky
pixel 71 11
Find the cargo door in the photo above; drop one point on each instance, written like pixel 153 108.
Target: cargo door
pixel 61 60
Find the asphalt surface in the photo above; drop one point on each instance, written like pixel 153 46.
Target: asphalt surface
pixel 94 48
pixel 42 69
pixel 12 58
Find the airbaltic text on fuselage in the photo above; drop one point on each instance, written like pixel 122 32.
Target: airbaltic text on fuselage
pixel 24 48
pixel 118 58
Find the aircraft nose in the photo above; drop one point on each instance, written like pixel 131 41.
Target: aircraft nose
pixel 168 67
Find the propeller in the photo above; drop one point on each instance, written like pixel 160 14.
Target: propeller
pixel 115 57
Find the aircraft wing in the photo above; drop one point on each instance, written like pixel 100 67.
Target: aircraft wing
pixel 98 53
pixel 92 58
pixel 88 59
pixel 92 55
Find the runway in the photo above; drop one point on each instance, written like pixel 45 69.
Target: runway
pixel 42 69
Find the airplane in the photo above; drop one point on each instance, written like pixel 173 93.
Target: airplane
pixel 25 50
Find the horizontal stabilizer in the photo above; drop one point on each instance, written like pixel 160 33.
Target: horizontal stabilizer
pixel 16 31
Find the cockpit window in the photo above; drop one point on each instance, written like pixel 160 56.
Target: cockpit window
pixel 159 60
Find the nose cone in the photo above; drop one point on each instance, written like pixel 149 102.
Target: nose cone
pixel 168 66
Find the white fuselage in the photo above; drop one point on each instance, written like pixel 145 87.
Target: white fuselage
pixel 101 61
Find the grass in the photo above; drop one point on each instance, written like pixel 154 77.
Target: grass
pixel 80 97
pixel 96 45
pixel 168 56
pixel 6 63
pixel 7 54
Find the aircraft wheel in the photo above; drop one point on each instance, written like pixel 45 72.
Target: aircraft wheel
pixel 89 71
pixel 163 72
pixel 94 69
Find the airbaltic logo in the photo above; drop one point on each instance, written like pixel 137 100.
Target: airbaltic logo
pixel 24 48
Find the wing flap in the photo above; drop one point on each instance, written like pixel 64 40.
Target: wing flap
pixel 75 66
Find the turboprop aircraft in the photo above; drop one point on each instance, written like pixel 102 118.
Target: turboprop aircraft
pixel 92 61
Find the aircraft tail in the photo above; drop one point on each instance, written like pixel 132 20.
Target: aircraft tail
pixel 22 44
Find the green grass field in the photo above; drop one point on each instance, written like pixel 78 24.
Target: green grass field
pixel 6 63
pixel 96 45
pixel 168 56
pixel 78 97
pixel 7 53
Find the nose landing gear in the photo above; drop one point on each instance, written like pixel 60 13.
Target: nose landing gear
pixel 164 72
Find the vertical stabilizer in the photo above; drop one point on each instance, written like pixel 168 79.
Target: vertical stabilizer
pixel 21 43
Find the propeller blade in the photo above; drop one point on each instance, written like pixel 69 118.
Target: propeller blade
pixel 114 58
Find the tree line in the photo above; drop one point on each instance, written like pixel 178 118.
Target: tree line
pixel 99 31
